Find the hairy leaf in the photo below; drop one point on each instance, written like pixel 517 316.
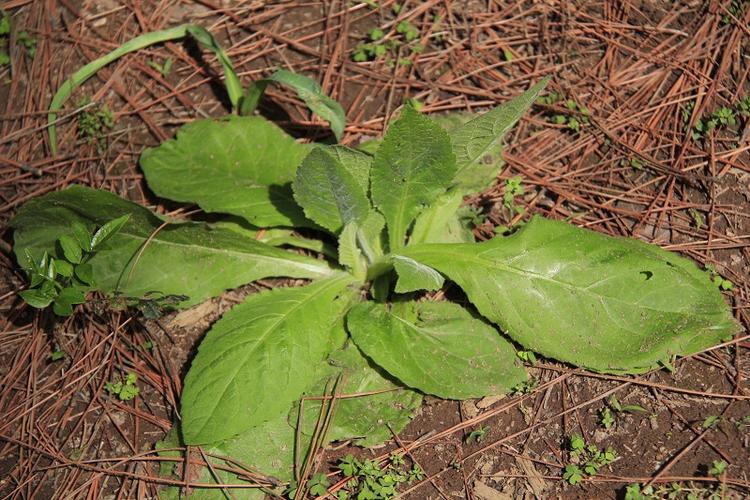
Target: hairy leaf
pixel 413 276
pixel 439 348
pixel 411 168
pixel 478 143
pixel 147 254
pixel 441 222
pixel 607 304
pixel 260 357
pixel 331 186
pixel 362 417
pixel 237 165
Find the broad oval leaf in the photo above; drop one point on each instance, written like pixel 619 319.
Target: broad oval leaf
pixel 478 143
pixel 148 254
pixel 260 357
pixel 439 348
pixel 373 406
pixel 411 168
pixel 237 165
pixel 331 186
pixel 603 303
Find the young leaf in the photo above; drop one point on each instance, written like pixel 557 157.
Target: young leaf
pixel 368 418
pixel 247 170
pixel 331 186
pixel 71 249
pixel 349 253
pixel 604 303
pixel 444 350
pixel 260 357
pixel 108 230
pixel 307 89
pixel 411 168
pixel 440 222
pixel 478 143
pixel 81 235
pixel 190 259
pixel 36 297
pixel 413 276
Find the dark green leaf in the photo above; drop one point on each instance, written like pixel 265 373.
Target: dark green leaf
pixel 238 165
pixel 412 167
pixel 607 304
pixel 436 347
pixel 82 235
pixel 260 357
pixel 331 186
pixel 71 249
pixel 190 259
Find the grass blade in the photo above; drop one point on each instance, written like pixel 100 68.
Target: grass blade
pixel 201 35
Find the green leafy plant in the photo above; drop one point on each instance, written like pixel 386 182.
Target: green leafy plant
pixel 477 435
pixel 94 121
pixel 586 459
pixel 614 407
pixel 371 480
pixel 382 226
pixel 393 45
pixel 64 280
pixel 573 118
pixel 125 390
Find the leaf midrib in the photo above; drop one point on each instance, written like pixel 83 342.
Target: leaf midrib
pixel 268 331
pixel 521 272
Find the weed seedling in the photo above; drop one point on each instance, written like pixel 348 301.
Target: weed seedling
pixel 586 459
pixel 513 188
pixel 23 39
pixel 64 282
pixel 94 122
pixel 125 390
pixel 477 435
pixel 371 481
pixel 614 407
pixel 573 119
pixel 57 355
pixel 527 357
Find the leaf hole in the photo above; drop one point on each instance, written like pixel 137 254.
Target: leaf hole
pixel 647 274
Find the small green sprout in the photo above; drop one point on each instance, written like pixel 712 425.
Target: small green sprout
pixel 573 474
pixel 94 122
pixel 164 68
pixel 319 485
pixel 477 435
pixel 57 355
pixel 124 390
pixel 513 188
pixel 606 418
pixel 711 421
pixel 718 467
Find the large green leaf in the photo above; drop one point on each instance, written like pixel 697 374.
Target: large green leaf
pixel 441 222
pixel 411 168
pixel 478 143
pixel 608 304
pixel 366 418
pixel 260 357
pixel 439 348
pixel 267 449
pixel 332 184
pixel 190 259
pixel 237 165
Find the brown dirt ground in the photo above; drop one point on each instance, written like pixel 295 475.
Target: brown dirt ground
pixel 635 64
